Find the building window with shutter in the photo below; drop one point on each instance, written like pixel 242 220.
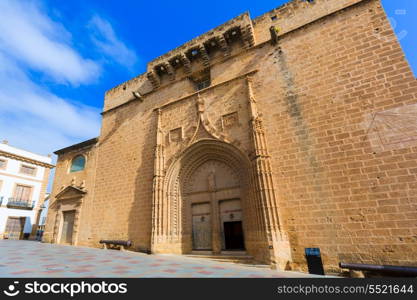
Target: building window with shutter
pixel 28 170
pixel 22 193
pixel 3 164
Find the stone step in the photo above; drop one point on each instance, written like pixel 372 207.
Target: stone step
pixel 238 259
pixel 223 257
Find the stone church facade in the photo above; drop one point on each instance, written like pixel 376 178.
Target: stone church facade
pixel 296 129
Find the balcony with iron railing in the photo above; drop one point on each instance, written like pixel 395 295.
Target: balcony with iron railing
pixel 20 203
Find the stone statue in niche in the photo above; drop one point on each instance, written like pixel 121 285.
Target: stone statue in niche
pixel 211 180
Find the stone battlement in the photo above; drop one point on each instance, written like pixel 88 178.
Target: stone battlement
pixel 218 32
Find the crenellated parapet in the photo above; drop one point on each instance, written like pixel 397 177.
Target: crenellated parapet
pixel 200 52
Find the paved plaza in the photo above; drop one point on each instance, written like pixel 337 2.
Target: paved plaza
pixel 35 259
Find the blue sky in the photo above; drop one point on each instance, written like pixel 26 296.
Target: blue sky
pixel 57 58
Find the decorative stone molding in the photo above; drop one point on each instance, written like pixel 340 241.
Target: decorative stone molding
pixel 70 192
pixel 157 191
pixel 205 125
pixel 186 62
pixel 223 45
pixel 167 68
pixel 204 55
pixel 230 120
pixel 248 35
pixel 175 135
pixel 154 79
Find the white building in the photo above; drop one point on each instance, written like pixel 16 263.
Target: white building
pixel 23 181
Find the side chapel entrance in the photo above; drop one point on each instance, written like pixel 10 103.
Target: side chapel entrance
pixel 67 208
pixel 67 227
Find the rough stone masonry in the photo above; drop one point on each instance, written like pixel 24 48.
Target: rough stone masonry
pixel 270 135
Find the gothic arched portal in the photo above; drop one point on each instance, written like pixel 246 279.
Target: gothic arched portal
pixel 211 179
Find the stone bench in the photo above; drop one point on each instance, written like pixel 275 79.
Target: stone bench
pixel 358 270
pixel 116 243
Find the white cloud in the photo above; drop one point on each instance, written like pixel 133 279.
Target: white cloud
pixel 105 39
pixel 33 118
pixel 29 36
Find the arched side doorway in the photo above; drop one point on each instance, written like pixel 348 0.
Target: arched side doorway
pixel 66 210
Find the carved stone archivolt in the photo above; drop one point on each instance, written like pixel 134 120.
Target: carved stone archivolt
pixel 180 179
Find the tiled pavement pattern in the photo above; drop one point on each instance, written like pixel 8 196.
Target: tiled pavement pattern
pixel 34 259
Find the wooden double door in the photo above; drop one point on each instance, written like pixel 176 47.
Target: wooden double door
pixel 14 227
pixel 230 223
pixel 201 226
pixel 67 230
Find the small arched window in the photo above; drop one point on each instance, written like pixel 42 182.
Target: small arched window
pixel 78 164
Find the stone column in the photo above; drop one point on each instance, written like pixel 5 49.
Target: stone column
pixel 277 241
pixel 157 201
pixel 56 228
pixel 215 229
pixel 215 219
